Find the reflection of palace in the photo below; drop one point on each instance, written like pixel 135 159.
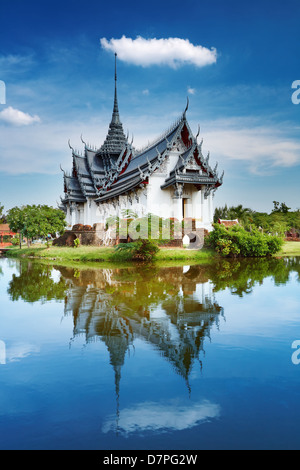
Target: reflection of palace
pixel 174 310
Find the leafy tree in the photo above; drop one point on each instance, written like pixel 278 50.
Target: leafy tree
pixel 36 221
pixel 243 214
pixel 281 207
pixel 281 217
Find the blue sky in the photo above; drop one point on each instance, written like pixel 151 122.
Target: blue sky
pixel 235 60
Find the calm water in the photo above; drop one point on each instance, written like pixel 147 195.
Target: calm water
pixel 150 358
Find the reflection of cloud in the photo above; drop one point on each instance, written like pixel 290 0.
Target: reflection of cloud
pixel 19 351
pixel 157 416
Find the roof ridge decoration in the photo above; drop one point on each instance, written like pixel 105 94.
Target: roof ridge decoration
pixel 79 178
pixel 162 136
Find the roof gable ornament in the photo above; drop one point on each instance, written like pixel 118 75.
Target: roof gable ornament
pixel 186 108
pixel 69 143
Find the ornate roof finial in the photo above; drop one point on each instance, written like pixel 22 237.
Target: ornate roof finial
pixel 186 108
pixel 70 145
pixel 115 117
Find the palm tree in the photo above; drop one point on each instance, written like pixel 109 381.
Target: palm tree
pixel 243 214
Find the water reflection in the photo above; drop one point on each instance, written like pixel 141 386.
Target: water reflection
pixel 171 309
pixel 167 416
pixel 35 282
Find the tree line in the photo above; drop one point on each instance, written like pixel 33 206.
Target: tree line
pixel 279 222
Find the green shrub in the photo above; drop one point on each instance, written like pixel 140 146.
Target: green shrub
pixel 141 250
pixel 15 241
pixel 236 241
pixel 76 242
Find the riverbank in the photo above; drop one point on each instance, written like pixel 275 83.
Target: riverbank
pixel 92 254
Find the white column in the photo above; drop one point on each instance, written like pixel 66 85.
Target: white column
pixel 73 215
pixel 177 202
pixel 211 204
pixel 69 217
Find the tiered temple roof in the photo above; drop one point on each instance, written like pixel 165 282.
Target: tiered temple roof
pixel 117 168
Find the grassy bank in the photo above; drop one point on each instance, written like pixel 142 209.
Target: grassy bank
pixel 93 254
pixel 291 249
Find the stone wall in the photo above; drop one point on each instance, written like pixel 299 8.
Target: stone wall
pixel 97 236
pixel 87 235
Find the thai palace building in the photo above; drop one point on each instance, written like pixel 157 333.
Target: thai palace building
pixel 170 178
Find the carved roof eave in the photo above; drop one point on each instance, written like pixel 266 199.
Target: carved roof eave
pixel 119 191
pixel 79 176
pixel 89 166
pixel 183 178
pixel 69 199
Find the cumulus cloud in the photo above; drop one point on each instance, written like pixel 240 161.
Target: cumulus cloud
pixel 17 118
pixel 173 52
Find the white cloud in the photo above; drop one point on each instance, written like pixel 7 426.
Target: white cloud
pixel 261 147
pixel 17 118
pixel 173 52
pixel 44 151
pixel 191 91
pixel 15 64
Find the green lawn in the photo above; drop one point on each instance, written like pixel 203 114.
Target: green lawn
pixel 102 254
pixel 94 254
pixel 291 249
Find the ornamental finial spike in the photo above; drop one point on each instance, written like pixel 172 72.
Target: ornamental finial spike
pixel 187 106
pixel 70 145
